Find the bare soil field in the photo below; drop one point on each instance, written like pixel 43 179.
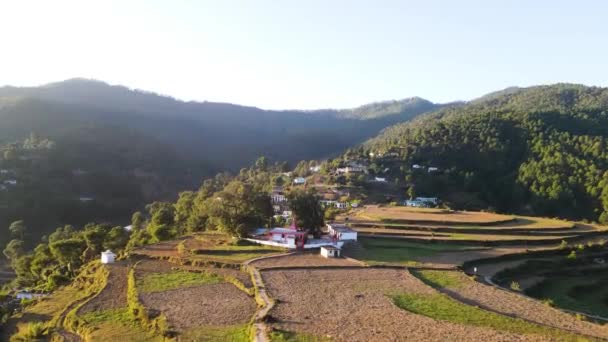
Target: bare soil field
pixel 302 260
pixel 351 305
pixel 208 305
pixel 153 265
pixel 511 304
pixel 161 249
pixel 429 215
pixel 114 295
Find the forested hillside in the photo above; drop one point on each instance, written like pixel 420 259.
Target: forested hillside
pixel 540 150
pixel 115 149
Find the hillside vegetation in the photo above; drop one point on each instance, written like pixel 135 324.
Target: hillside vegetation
pixel 539 150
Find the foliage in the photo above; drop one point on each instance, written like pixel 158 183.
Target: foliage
pixel 540 150
pixel 307 210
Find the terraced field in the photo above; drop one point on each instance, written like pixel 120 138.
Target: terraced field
pixel 469 228
pixel 366 304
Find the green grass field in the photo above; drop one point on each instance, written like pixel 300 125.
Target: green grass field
pixel 442 307
pixel 441 279
pixel 157 282
pixel 380 250
pixel 116 325
pixel 236 333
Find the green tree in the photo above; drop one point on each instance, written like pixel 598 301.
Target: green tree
pixel 138 221
pixel 411 193
pixel 14 249
pixel 238 208
pixel 17 229
pixel 68 252
pixel 307 210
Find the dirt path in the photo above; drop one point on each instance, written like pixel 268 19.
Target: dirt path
pixel 114 294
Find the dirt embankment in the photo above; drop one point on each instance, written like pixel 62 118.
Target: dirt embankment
pixel 302 260
pixel 352 305
pixel 511 304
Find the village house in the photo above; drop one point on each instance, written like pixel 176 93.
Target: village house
pixel 330 252
pixel 422 202
pixel 108 257
pixel 85 199
pixel 278 197
pixel 299 180
pixel 341 232
pixel 12 182
pixel 416 166
pixel 315 168
pixel 433 169
pixel 380 179
pixel 4 171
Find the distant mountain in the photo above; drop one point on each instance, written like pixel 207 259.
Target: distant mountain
pixel 540 150
pixel 221 134
pixel 154 145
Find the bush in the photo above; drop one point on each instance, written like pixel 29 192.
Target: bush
pixel 515 286
pixel 572 255
pixel 35 330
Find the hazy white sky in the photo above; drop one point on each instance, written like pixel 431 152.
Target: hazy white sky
pixel 306 54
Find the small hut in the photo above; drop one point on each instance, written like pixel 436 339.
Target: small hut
pixel 107 257
pixel 330 252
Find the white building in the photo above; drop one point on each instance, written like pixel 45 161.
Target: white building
pixel 315 168
pixel 433 169
pixel 299 180
pixel 342 232
pixel 341 205
pixel 330 252
pixel 380 179
pixel 4 171
pixel 10 182
pixel 128 228
pixel 352 169
pixel 416 166
pixel 278 197
pixel 85 199
pixel 107 257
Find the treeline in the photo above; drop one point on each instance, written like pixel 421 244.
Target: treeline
pixel 540 150
pixel 231 204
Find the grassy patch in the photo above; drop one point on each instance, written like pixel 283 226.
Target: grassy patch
pixel 214 246
pixel 441 307
pixel 236 333
pixel 442 279
pixel 157 282
pixel 114 316
pixel 288 336
pixel 586 294
pixel 378 250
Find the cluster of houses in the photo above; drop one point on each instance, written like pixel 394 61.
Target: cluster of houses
pixel 430 169
pixel 330 243
pixel 6 183
pixel 422 202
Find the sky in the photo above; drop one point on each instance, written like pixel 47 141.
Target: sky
pixel 293 54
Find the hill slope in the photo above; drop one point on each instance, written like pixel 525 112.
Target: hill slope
pixel 135 147
pixel 541 150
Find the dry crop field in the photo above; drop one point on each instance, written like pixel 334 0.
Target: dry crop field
pixel 381 213
pixel 355 305
pixel 192 300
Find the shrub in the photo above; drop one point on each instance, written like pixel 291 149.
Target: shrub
pixel 515 286
pixel 548 302
pixel 572 255
pixel 35 330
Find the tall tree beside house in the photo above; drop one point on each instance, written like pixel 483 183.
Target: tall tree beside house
pixel 307 210
pixel 411 193
pixel 238 208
